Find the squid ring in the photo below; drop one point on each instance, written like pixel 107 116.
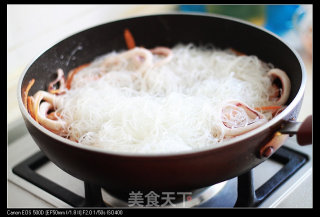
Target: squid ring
pixel 141 57
pixel 41 110
pixel 164 51
pixel 281 94
pixel 234 125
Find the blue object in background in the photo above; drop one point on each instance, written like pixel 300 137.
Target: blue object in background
pixel 280 19
pixel 192 8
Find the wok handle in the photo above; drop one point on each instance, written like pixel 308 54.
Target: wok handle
pixel 303 130
pixel 273 145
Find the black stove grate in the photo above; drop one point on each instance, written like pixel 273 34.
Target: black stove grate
pixel 246 197
pixel 292 162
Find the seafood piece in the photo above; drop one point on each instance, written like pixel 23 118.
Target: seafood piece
pixel 62 86
pixel 42 104
pixel 162 51
pixel 238 118
pixel 281 86
pixel 140 60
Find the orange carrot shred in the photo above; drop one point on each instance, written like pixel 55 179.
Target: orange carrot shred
pixel 26 92
pixel 72 73
pixel 238 53
pixel 265 108
pixel 36 109
pixel 129 39
pixel 57 91
pixel 30 106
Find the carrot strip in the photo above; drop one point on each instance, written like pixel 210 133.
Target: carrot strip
pixel 26 92
pixel 30 106
pixel 129 39
pixel 36 108
pixel 238 53
pixel 72 73
pixel 56 91
pixel 265 108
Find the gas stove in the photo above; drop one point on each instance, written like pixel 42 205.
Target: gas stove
pixel 284 180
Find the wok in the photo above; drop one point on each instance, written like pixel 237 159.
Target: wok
pixel 183 171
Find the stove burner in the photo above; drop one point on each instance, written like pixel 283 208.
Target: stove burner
pixel 225 194
pixel 181 200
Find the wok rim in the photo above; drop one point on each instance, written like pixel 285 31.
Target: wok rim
pixel 234 141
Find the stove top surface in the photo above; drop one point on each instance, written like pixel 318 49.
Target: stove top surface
pixel 295 191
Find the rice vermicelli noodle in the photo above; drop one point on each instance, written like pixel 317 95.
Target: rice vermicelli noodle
pixel 161 100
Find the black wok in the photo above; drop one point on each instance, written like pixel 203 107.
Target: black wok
pixel 169 172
